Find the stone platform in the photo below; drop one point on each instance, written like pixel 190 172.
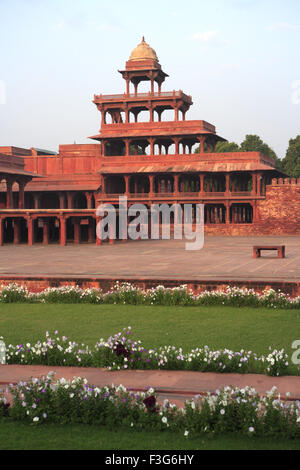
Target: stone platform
pixel 222 261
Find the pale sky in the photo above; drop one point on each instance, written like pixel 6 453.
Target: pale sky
pixel 239 59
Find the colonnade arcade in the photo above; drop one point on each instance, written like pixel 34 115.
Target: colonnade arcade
pixel 209 183
pixel 12 189
pixel 158 146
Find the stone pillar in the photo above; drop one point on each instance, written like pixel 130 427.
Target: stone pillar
pixel 9 194
pixel 151 146
pixel 1 231
pixel 89 200
pixel 77 231
pixel 127 150
pixel 151 181
pixel 127 185
pixel 22 185
pixel 259 185
pixel 16 223
pixel 30 231
pixel 176 140
pixel 70 200
pixel 176 185
pixel 227 212
pixel 61 201
pixel 253 184
pixel 45 231
pixel 227 176
pixel 63 231
pixel 201 183
pixel 36 200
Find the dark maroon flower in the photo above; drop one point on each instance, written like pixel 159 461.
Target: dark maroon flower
pixel 121 350
pixel 150 404
pixel 5 407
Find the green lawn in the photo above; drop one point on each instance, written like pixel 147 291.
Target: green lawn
pixel 186 327
pixel 16 436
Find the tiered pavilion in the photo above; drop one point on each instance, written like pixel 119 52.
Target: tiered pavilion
pixel 138 154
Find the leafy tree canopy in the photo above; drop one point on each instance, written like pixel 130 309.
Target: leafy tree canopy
pixel 291 162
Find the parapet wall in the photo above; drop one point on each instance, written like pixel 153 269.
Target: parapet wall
pixel 279 212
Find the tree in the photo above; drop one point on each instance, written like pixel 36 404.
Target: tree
pixel 291 162
pixel 253 143
pixel 222 147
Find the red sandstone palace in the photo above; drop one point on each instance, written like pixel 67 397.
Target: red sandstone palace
pixel 51 197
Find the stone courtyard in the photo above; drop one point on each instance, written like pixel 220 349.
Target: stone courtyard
pixel 222 259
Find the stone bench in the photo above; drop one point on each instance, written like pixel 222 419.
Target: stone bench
pixel 279 248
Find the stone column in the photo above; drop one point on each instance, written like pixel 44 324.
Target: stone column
pixel 151 140
pixel 201 183
pixel 9 194
pixel 36 200
pixel 61 201
pixel 127 185
pixel 77 231
pixel 151 181
pixel 227 176
pixel 127 151
pixel 45 231
pixel 30 230
pixel 176 141
pixel 89 200
pixel 22 185
pixel 1 231
pixel 16 223
pixel 259 185
pixel 63 231
pixel 70 200
pixel 176 185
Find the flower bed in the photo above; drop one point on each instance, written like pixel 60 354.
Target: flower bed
pixel 228 410
pixel 121 351
pixel 127 293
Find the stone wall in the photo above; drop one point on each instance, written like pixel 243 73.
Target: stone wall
pixel 277 214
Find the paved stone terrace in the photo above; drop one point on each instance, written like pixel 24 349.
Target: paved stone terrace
pixel 222 258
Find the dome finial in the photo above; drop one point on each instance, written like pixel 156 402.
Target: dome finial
pixel 143 52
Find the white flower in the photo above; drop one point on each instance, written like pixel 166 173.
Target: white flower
pixel 186 433
pixel 164 419
pixel 36 419
pixel 222 411
pixel 251 429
